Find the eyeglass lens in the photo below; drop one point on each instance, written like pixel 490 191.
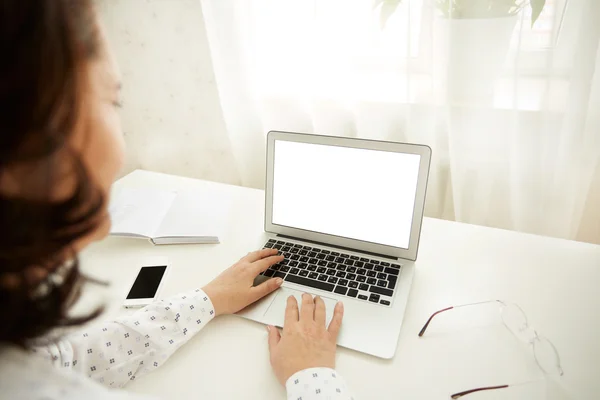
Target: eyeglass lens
pixel 544 352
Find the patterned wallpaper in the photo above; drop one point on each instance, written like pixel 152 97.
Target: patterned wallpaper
pixel 171 113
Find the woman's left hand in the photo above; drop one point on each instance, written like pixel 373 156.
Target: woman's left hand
pixel 232 290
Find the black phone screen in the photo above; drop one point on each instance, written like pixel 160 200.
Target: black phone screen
pixel 147 282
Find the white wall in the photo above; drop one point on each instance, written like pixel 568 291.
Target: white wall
pixel 171 114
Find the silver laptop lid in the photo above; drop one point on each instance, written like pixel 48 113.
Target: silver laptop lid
pixel 360 194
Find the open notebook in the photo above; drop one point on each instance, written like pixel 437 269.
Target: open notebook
pixel 167 217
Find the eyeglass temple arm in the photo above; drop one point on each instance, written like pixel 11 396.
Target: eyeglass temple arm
pixel 430 318
pixel 450 308
pixel 466 392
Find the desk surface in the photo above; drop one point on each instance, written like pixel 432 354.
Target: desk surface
pixel 554 281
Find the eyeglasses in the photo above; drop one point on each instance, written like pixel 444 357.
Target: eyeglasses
pixel 515 320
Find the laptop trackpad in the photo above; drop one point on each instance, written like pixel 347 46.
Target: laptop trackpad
pixel 275 314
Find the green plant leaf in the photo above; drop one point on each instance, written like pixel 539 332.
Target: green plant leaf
pixel 537 6
pixel 388 7
pixel 376 3
pixel 466 9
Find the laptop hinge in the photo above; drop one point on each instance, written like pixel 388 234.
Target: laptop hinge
pixel 340 247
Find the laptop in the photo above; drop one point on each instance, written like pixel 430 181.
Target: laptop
pixel 346 213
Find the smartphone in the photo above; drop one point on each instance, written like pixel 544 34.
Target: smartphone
pixel 147 284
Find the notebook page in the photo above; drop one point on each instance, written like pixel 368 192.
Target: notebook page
pixel 139 211
pixel 192 214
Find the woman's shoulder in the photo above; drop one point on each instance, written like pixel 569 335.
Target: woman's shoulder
pixel 25 375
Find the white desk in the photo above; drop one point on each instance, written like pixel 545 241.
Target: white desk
pixel 554 281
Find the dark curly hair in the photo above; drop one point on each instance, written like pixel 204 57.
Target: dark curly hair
pixel 46 46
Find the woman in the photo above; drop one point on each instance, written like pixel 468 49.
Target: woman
pixel 60 149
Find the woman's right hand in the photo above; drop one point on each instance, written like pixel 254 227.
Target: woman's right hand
pixel 306 341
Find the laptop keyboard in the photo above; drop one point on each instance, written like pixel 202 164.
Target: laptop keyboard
pixel 344 274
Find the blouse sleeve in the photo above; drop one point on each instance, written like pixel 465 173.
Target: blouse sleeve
pixel 317 384
pixel 126 348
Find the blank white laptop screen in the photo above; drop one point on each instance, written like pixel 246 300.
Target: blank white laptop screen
pixel 368 195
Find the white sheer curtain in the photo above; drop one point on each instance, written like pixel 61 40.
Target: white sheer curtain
pixel 512 112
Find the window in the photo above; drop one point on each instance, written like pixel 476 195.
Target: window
pixel 314 48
